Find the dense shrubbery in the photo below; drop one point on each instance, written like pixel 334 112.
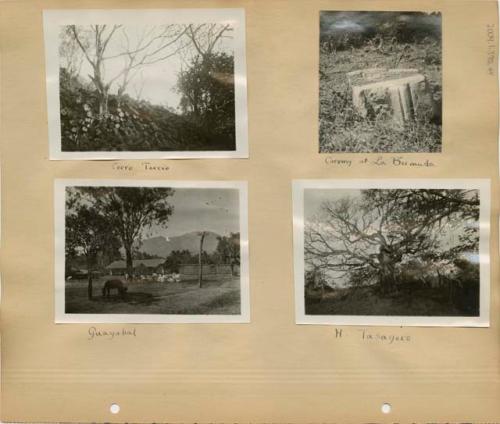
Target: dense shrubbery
pixel 207 89
pixel 457 296
pixel 132 125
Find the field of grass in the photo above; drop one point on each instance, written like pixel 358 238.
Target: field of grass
pixel 213 298
pixel 368 301
pixel 341 129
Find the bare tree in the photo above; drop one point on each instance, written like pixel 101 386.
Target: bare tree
pixel 152 45
pixel 205 38
pixel 139 88
pixel 70 53
pixel 93 42
pixel 366 238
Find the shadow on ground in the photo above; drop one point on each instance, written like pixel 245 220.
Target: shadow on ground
pixel 135 298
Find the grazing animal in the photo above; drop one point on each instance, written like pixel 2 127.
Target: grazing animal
pixel 114 284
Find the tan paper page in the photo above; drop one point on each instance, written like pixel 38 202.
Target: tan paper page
pixel 270 369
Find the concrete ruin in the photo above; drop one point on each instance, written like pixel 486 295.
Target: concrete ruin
pixel 395 93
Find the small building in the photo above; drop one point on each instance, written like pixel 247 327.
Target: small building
pixel 73 273
pixel 141 267
pixel 190 272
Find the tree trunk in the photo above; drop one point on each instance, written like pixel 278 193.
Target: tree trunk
pixel 103 103
pixel 200 264
pixel 89 276
pixel 387 259
pixel 387 280
pixel 129 262
pixel 102 89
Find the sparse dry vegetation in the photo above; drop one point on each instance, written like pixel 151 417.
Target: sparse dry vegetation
pixel 394 45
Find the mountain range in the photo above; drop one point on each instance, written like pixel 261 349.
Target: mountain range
pixel 162 247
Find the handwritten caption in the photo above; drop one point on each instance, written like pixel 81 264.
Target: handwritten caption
pixel 491 49
pixel 365 335
pixel 380 161
pixel 95 333
pixel 143 166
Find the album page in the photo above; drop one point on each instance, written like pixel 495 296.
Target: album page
pixel 249 211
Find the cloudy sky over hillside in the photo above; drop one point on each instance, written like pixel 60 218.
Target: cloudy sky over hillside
pixel 204 209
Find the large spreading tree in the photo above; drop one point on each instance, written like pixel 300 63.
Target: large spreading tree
pixel 101 215
pixel 129 211
pixel 364 238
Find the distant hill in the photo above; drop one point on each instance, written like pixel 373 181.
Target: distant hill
pixel 160 246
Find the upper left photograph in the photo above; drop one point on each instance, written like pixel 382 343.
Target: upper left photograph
pixel 146 84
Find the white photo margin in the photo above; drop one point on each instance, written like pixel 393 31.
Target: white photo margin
pixel 61 316
pixel 53 19
pixel 483 185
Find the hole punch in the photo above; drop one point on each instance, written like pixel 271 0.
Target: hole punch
pixel 114 408
pixel 386 408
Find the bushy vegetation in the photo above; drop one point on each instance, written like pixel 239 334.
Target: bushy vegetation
pixel 386 42
pixel 207 89
pixel 452 297
pixel 227 252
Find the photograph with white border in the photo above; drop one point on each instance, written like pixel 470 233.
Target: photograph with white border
pixel 143 251
pixel 146 84
pixel 407 252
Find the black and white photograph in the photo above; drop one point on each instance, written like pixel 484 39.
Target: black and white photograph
pixel 392 252
pixel 380 82
pixel 143 251
pixel 140 84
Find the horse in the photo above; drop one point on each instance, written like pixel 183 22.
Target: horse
pixel 114 284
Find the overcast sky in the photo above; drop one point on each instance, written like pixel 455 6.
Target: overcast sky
pixel 204 209
pixel 314 198
pixel 158 80
pixel 198 209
